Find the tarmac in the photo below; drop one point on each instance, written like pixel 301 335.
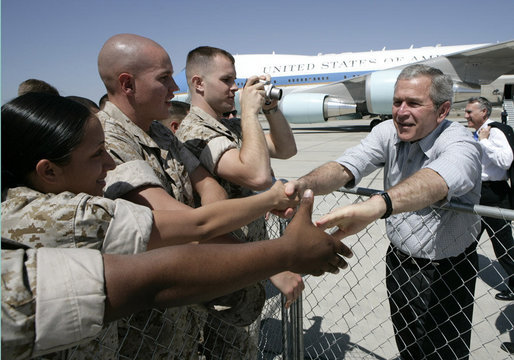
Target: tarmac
pixel 342 295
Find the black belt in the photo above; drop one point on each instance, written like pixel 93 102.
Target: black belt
pixel 421 262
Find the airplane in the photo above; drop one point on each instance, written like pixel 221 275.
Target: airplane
pixel 353 85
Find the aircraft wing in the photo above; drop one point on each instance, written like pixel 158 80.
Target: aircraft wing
pixel 372 93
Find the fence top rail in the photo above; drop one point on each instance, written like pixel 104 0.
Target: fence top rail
pixel 489 211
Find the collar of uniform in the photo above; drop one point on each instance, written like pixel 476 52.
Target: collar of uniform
pixel 128 126
pixel 204 116
pixel 208 120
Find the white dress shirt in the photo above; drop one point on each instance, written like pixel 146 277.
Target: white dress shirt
pixel 496 155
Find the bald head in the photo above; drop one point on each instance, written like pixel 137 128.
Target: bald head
pixel 125 53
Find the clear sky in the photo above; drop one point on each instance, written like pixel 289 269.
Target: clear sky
pixel 58 40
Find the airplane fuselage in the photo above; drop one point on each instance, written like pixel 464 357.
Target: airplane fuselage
pixel 292 72
pixel 316 88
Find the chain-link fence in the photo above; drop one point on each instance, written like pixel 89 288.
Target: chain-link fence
pixel 343 316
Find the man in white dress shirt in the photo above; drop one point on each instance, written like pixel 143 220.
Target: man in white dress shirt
pixel 496 160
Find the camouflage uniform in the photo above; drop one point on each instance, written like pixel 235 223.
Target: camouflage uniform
pixel 36 292
pixel 155 158
pixel 129 146
pixel 67 220
pixel 208 139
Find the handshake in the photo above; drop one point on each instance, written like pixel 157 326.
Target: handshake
pixel 309 248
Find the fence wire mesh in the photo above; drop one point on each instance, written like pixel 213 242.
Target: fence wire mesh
pixel 343 316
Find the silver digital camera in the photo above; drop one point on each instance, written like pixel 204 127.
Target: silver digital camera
pixel 272 92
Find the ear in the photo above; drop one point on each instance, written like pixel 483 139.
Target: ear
pixel 443 111
pixel 174 126
pixel 127 83
pixel 48 172
pixel 197 82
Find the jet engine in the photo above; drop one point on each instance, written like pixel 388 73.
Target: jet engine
pixel 307 108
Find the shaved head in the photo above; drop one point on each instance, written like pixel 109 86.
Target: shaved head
pixel 138 75
pixel 125 53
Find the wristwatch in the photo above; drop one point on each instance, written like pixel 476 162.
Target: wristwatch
pixel 389 203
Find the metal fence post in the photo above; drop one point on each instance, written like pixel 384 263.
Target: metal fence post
pixel 292 322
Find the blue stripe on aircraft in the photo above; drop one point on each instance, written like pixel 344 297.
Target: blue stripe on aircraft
pixel 297 80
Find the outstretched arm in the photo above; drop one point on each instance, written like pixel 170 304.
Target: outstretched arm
pixel 195 273
pixel 322 180
pixel 418 191
pixel 212 220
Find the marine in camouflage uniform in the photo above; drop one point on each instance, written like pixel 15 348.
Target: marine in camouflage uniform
pixel 169 159
pixel 208 139
pixel 68 220
pixel 173 332
pixel 30 277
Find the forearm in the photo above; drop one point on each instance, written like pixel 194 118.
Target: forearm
pixel 418 191
pixel 254 153
pixel 206 186
pixel 325 179
pixel 208 221
pixel 281 142
pixel 185 274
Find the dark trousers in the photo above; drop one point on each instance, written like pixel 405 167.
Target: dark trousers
pixel 432 304
pixel 496 193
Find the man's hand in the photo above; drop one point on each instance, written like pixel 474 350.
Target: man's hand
pixel 286 204
pixel 251 97
pixel 352 218
pixel 289 284
pixel 484 133
pixel 274 102
pixel 295 187
pixel 315 252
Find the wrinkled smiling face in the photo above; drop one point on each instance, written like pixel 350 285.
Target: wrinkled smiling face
pixel 413 111
pixel 475 116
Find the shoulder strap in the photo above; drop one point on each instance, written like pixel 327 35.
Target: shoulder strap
pixel 507 130
pixel 8 244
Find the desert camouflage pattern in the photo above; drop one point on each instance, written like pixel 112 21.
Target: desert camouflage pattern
pixel 18 303
pixel 170 160
pixel 196 130
pixel 63 220
pixel 178 328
